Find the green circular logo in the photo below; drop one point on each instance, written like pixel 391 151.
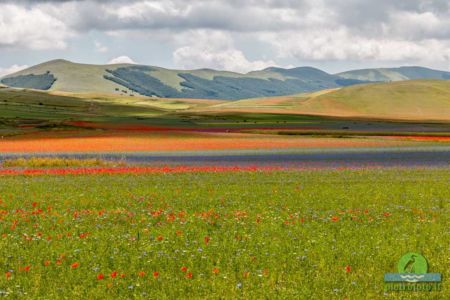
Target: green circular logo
pixel 412 263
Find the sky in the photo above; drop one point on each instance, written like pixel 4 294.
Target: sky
pixel 235 35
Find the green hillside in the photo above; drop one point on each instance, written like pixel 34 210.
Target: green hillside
pixel 18 107
pixel 65 76
pixel 395 74
pixel 70 77
pixel 403 100
pixel 412 100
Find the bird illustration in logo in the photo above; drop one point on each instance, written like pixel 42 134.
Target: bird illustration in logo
pixel 409 266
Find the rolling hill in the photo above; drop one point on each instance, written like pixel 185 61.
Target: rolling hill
pixel 146 91
pixel 425 100
pixel 62 75
pixel 44 105
pixel 421 101
pixel 395 74
pixel 70 77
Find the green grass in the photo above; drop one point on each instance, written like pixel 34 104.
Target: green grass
pixel 41 109
pixel 420 100
pixel 21 109
pixel 271 234
pixel 409 100
pixel 55 162
pixel 72 77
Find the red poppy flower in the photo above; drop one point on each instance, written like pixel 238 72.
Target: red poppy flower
pixel 141 274
pixel 189 275
pixel 215 271
pixel 334 218
pixel 348 269
pixel 75 265
pixel 114 274
pixel 155 274
pixel 100 276
pixel 160 238
pixel 207 239
pixel 47 263
pixel 8 275
pixel 183 269
pixel 83 235
pixel 26 268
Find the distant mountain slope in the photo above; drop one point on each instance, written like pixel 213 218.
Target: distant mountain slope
pixel 70 77
pixel 62 75
pixel 395 74
pixel 403 100
pixel 66 76
pixel 417 99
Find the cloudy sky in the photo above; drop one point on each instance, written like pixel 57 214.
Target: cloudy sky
pixel 237 35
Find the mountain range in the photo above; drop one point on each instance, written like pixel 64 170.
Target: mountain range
pixel 66 76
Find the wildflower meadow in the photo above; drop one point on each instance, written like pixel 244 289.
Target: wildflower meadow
pixel 220 233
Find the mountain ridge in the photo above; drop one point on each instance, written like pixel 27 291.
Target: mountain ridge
pixel 66 76
pixel 395 74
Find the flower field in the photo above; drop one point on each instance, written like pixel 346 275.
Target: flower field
pixel 123 141
pixel 223 233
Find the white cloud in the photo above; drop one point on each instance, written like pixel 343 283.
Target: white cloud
pixel 341 44
pixel 418 26
pixel 214 49
pixel 294 31
pixel 11 70
pixel 31 28
pixel 121 60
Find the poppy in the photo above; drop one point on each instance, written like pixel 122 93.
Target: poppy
pixel 75 265
pixel 100 276
pixel 114 274
pixel 189 275
pixel 183 269
pixel 26 268
pixel 83 235
pixel 155 274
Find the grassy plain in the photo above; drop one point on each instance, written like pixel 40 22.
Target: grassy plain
pixel 292 234
pixel 413 106
pixel 56 162
pixel 420 100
